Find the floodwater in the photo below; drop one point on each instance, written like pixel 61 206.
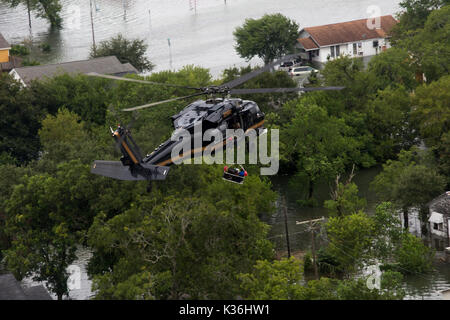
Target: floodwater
pixel 200 31
pixel 418 287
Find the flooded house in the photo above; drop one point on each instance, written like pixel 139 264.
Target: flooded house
pixel 358 38
pixel 7 61
pixel 439 218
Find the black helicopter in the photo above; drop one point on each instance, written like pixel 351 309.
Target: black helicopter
pixel 213 113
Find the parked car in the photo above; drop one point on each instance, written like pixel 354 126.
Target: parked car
pixel 301 71
pixel 298 61
pixel 288 65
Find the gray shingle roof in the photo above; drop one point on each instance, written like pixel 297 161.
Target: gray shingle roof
pixel 441 204
pixel 10 289
pixel 104 65
pixel 37 293
pixel 3 43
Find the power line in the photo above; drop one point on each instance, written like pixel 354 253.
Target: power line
pixel 423 275
pixel 312 226
pixel 283 234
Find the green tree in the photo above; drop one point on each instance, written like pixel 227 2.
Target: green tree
pixel 354 289
pixel 192 243
pixel 389 232
pixel 394 67
pixel 350 240
pixel 407 183
pixel 64 137
pixel 47 217
pixel 345 200
pixel 46 9
pixel 127 51
pixel 20 121
pixel 349 73
pixel 444 156
pixel 322 146
pixel 280 280
pixel 413 15
pixel 42 243
pixel 269 37
pixel 388 119
pixel 86 96
pixel 10 175
pixel 432 56
pixel 413 256
pixel 19 50
pixel 432 110
pixel 416 186
pixel 277 280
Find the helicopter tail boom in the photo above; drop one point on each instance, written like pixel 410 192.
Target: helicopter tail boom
pixel 130 151
pixel 116 170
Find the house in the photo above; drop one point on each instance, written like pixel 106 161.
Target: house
pixel 358 38
pixel 439 220
pixel 10 289
pixel 4 49
pixel 445 294
pixel 7 62
pixel 104 65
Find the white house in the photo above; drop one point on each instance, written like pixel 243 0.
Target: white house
pixel 358 38
pixel 440 215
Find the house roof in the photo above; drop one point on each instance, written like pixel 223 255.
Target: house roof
pixel 103 65
pixel 37 293
pixel 441 204
pixel 3 43
pixel 308 43
pixel 10 289
pixel 350 31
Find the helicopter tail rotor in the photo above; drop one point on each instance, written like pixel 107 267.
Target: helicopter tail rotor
pixel 130 166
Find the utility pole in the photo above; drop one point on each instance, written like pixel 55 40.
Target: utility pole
pixel 313 240
pixel 286 227
pixel 92 27
pixel 29 13
pixel 150 19
pixel 312 226
pixel 195 5
pixel 124 4
pixel 170 53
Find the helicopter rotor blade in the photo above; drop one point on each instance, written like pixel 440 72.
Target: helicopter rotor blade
pixel 94 74
pixel 282 90
pixel 248 76
pixel 163 101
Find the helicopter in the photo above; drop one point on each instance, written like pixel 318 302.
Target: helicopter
pixel 213 113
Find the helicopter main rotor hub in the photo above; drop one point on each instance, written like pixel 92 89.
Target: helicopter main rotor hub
pixel 215 90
